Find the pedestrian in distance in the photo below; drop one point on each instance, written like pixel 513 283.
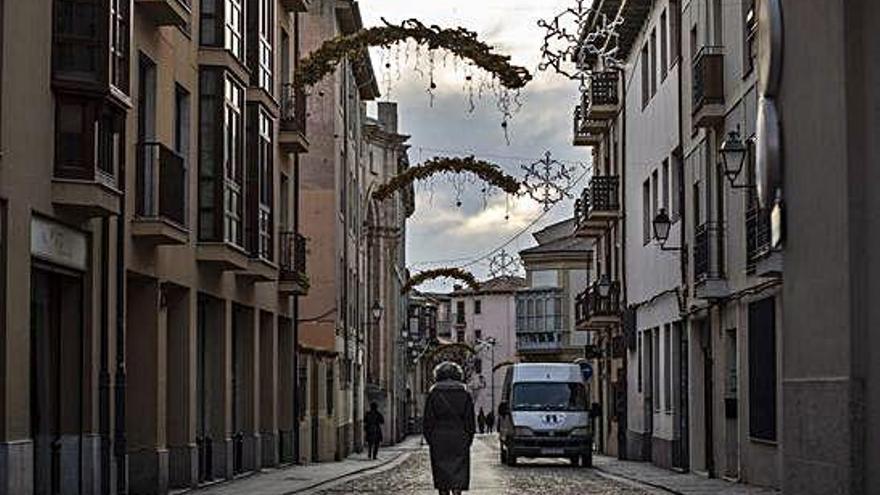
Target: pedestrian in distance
pixel 373 422
pixel 449 428
pixel 490 421
pixel 481 421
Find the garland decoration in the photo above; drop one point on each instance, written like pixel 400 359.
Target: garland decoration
pixel 456 273
pixel 459 41
pixel 489 172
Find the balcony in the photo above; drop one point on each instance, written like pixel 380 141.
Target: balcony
pixel 598 207
pixel 761 259
pixel 160 201
pixel 166 12
pixel 539 343
pixel 595 312
pixel 709 279
pixel 292 132
pixel 708 87
pixel 222 257
pixel 587 132
pixel 604 95
pixel 295 5
pixel 293 279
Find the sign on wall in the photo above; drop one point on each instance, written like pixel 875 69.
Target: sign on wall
pixel 59 244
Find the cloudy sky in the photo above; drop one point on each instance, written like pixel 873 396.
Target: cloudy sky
pixel 440 233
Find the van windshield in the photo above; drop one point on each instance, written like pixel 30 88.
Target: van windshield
pixel 549 396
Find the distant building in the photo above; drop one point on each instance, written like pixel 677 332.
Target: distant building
pixel 556 269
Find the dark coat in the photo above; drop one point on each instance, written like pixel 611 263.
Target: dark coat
pixel 373 425
pixel 449 428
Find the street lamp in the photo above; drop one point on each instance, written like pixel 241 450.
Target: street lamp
pixel 662 224
pixel 733 153
pixel 604 285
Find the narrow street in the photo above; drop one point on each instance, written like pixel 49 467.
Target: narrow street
pixel 490 477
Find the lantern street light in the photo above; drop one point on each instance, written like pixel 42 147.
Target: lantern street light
pixel 604 285
pixel 378 310
pixel 733 154
pixel 662 225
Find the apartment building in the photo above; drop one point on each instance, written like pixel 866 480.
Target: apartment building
pixel 333 316
pixel 481 317
pixel 150 234
pixel 556 272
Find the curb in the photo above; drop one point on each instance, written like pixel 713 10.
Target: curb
pixel 633 481
pixel 383 466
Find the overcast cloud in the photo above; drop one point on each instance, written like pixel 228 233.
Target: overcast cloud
pixel 439 230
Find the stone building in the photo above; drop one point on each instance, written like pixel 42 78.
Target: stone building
pixel 149 242
pixel 557 269
pixel 333 316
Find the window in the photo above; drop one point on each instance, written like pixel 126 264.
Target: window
pixel 260 44
pixel 478 366
pixel 181 139
pixel 260 180
pixel 91 42
pixel 750 38
pixel 459 312
pixel 478 334
pixel 221 25
pixel 330 389
pixel 646 88
pixel 459 336
pixel 646 212
pixel 118 37
pixel 674 31
pixel 478 306
pixel 89 139
pixel 545 278
pixel 664 176
pixel 693 43
pixel 655 197
pixel 677 178
pixel 667 368
pixel 664 46
pixel 221 141
pixel 654 61
pixel 762 369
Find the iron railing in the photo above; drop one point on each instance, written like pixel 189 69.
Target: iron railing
pixel 701 252
pixel 161 183
pixel 293 108
pixel 292 261
pixel 708 254
pixel 757 236
pixel 601 195
pixel 708 80
pixel 603 88
pixel 591 303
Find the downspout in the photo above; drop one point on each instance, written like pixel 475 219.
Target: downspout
pixel 295 405
pixel 345 225
pixel 621 448
pixel 120 438
pixel 104 373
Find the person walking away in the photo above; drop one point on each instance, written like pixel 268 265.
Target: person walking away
pixel 490 421
pixel 481 421
pixel 374 421
pixel 449 428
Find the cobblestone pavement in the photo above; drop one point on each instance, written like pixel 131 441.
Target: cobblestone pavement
pixel 490 477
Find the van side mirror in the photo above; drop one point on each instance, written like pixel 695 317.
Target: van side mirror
pixel 596 410
pixel 503 409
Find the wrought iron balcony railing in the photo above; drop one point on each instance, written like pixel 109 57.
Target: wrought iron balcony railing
pixel 591 304
pixel 292 260
pixel 161 183
pixel 707 252
pixel 604 88
pixel 708 80
pixel 293 109
pixel 757 236
pixel 601 198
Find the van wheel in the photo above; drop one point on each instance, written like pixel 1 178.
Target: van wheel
pixel 511 459
pixel 503 456
pixel 575 460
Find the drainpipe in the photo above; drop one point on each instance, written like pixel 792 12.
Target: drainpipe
pixel 120 437
pixel 621 448
pixel 104 373
pixel 295 405
pixel 345 224
pixel 682 211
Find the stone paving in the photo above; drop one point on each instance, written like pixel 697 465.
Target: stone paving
pixel 490 477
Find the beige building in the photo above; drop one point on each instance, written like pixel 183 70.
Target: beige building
pixel 156 166
pixel 556 271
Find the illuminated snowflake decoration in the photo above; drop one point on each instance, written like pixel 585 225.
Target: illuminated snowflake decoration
pixel 503 264
pixel 547 181
pixel 567 44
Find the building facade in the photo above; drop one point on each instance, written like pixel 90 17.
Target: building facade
pixel 150 232
pixel 481 317
pixel 555 274
pixel 333 317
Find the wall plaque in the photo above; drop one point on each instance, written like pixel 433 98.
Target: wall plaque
pixel 57 243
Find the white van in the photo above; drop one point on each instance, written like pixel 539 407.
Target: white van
pixel 544 413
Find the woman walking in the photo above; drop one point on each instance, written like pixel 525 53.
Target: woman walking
pixel 449 427
pixel 374 422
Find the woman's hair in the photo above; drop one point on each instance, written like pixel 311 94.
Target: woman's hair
pixel 448 370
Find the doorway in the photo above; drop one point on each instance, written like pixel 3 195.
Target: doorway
pixel 56 381
pixel 682 458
